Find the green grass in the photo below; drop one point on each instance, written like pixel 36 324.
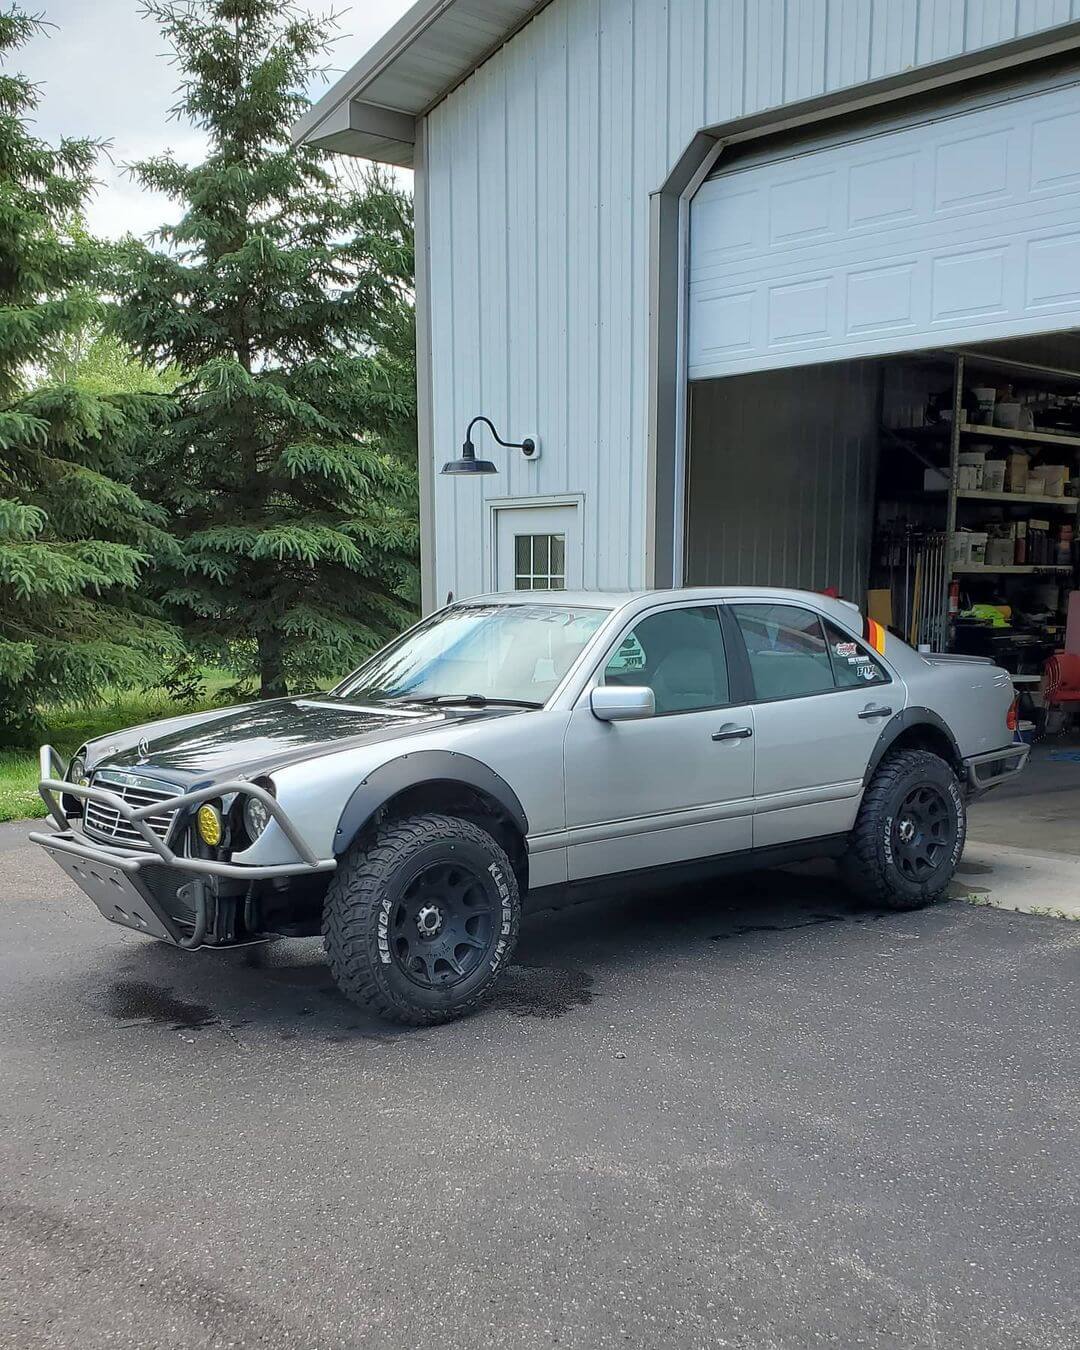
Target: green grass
pixel 68 728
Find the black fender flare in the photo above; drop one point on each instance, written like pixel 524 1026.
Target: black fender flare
pixel 414 770
pixel 904 721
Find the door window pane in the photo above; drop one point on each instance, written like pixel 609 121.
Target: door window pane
pixel 786 646
pixel 539 562
pixel 679 654
pixel 853 664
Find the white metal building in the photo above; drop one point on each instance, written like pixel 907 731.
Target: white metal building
pixel 629 209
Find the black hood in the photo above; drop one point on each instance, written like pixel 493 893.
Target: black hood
pixel 261 737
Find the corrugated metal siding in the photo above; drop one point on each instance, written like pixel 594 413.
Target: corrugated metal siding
pixel 782 474
pixel 540 169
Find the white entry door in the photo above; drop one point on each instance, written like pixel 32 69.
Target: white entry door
pixel 537 548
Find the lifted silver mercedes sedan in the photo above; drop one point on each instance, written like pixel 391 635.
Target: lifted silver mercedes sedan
pixel 539 745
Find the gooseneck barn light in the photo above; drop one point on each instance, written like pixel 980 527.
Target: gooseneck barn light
pixel 468 463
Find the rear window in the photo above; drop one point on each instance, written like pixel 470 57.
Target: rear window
pixel 794 653
pixel 853 664
pixel 786 646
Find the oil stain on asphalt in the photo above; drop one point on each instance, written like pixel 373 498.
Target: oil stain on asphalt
pixel 137 1001
pixel 544 991
pixel 743 929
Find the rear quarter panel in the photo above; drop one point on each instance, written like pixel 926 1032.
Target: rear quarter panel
pixel 972 698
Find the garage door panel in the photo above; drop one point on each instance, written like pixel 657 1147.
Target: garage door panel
pixel 882 192
pixel 908 239
pixel 1055 152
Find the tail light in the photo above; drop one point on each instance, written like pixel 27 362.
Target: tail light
pixel 1012 718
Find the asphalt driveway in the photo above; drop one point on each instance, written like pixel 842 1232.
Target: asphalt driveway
pixel 751 1116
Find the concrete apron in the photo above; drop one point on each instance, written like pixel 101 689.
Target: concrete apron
pixel 1027 880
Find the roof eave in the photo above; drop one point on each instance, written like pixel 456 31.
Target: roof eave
pixel 372 110
pixel 367 130
pixel 312 126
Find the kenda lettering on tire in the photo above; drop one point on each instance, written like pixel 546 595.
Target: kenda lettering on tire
pixel 384 932
pixel 888 839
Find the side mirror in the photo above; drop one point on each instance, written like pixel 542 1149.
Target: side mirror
pixel 622 703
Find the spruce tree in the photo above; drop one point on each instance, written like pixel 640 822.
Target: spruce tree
pixel 283 298
pixel 74 536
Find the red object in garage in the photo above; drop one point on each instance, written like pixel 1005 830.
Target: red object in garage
pixel 1061 681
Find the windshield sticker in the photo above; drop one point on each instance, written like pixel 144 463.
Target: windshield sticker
pixel 630 656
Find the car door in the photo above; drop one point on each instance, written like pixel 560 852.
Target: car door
pixel 668 788
pixel 820 700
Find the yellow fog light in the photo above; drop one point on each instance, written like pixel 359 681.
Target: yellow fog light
pixel 208 820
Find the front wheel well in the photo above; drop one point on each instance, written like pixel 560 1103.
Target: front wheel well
pixel 449 798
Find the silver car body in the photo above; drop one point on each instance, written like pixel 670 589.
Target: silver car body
pixel 597 798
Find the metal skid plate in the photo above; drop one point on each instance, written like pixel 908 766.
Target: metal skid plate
pixel 116 893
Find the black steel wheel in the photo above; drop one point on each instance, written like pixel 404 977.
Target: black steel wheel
pixel 909 833
pixel 923 832
pixel 421 919
pixel 443 925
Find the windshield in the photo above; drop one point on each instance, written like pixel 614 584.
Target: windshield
pixel 494 653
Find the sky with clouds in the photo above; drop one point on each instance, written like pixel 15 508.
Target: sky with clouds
pixel 105 71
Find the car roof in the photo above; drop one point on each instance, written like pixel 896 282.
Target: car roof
pixel 612 600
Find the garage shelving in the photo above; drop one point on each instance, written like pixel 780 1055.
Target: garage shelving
pixel 1028 437
pixel 1019 498
pixel 938 446
pixel 1010 569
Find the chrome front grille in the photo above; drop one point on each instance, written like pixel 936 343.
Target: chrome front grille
pixel 105 822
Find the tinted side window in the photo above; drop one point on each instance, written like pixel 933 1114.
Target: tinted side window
pixel 853 664
pixel 679 654
pixel 786 646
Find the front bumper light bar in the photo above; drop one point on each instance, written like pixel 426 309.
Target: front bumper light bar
pixel 110 876
pixel 51 789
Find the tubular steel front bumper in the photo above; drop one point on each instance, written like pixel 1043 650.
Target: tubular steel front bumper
pixel 113 877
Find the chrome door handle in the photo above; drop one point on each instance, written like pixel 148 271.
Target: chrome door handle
pixel 875 712
pixel 732 734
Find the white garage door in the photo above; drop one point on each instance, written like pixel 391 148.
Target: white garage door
pixel 957 230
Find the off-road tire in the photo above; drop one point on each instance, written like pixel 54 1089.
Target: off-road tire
pixel 363 898
pixel 874 865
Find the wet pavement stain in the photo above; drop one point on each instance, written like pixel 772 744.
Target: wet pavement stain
pixel 743 929
pixel 973 869
pixel 351 1034
pixel 301 977
pixel 137 1001
pixel 544 991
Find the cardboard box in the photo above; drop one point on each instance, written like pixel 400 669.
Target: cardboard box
pixel 968 478
pixel 933 480
pixel 1036 483
pixel 1016 471
pixel 975 460
pixel 994 476
pixel 1000 551
pixel 879 607
pixel 1054 476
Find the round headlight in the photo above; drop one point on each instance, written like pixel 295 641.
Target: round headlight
pixel 77 770
pixel 208 822
pixel 256 817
